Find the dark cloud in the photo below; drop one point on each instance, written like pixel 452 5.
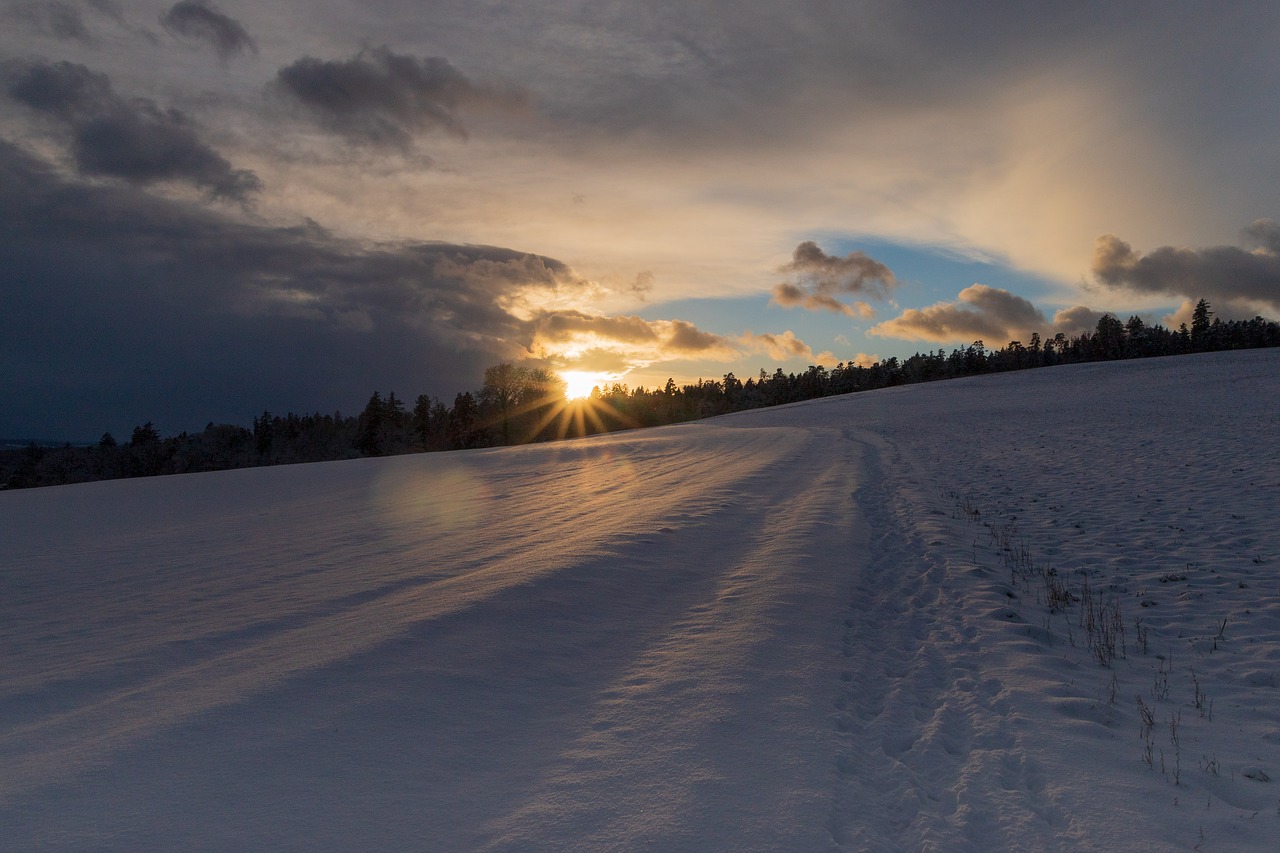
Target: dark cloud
pixel 1226 273
pixel 132 140
pixel 980 313
pixel 64 90
pixel 383 98
pixel 814 277
pixel 146 144
pixel 124 307
pixel 198 21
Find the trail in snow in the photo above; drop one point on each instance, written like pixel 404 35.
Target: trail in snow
pixel 793 628
pixel 928 760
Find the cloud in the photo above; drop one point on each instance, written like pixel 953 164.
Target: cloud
pixel 1265 235
pixel 1219 273
pixel 854 273
pixel 133 140
pixel 787 346
pixel 789 296
pixel 779 347
pixel 108 8
pixel 814 276
pixel 686 339
pixel 642 286
pixel 570 338
pixel 223 317
pixel 53 17
pixel 66 22
pixel 694 146
pixel 862 359
pixel 199 21
pixel 1221 309
pixel 989 314
pixel 137 307
pixel 610 362
pixel 980 313
pixel 385 99
pixel 1076 321
pixel 668 121
pixel 64 90
pixel 561 327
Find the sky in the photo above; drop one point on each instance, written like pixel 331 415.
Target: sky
pixel 214 209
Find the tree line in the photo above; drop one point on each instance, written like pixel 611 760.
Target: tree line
pixel 519 404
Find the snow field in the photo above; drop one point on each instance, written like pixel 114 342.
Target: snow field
pixel 1155 488
pixel 828 626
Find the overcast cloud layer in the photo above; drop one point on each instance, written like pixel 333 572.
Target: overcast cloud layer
pixel 231 205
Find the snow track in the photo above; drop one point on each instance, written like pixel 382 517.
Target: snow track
pixel 928 760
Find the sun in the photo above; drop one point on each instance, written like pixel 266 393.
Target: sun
pixel 578 383
pixel 580 413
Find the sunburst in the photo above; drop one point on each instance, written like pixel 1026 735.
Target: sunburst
pixel 578 383
pixel 571 417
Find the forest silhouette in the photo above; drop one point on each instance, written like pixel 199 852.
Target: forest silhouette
pixel 519 404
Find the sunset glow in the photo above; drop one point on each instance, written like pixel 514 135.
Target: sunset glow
pixel 402 202
pixel 578 383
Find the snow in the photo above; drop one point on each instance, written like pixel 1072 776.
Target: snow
pixel 824 626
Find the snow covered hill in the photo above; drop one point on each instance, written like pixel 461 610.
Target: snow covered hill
pixel 1027 611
